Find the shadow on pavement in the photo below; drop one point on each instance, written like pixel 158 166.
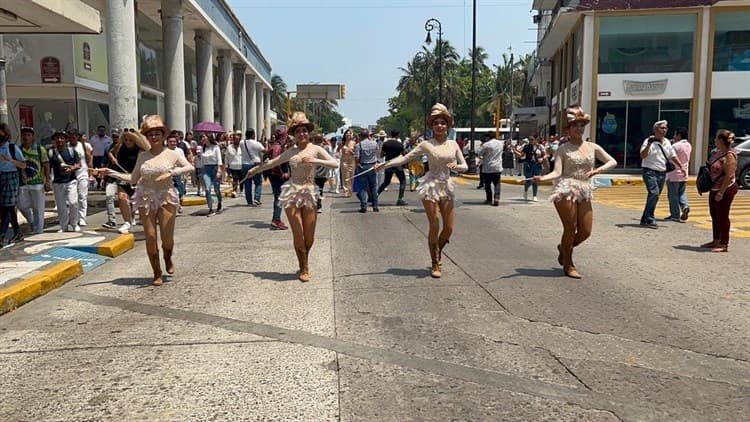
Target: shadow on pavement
pixel 534 272
pixel 398 272
pixel 631 225
pixel 267 275
pixel 255 224
pixel 691 248
pixel 140 282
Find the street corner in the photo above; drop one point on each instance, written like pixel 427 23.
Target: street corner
pixel 53 275
pixel 117 246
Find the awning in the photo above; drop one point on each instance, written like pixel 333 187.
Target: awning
pixel 557 33
pixel 48 17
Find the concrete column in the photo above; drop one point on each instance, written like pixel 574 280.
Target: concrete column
pixel 252 104
pixel 225 89
pixel 260 108
pixel 174 63
pixel 121 54
pixel 586 78
pixel 700 135
pixel 205 74
pixel 240 97
pixel 267 113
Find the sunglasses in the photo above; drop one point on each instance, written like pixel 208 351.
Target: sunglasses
pixel 129 129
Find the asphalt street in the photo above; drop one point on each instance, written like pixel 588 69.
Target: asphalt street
pixel 657 329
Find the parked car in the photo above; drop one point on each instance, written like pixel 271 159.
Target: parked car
pixel 743 161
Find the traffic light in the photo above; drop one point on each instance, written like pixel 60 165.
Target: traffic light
pixel 342 91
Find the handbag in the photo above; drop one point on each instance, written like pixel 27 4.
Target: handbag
pixel 670 165
pixel 703 182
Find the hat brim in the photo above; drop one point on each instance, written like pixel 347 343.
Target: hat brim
pixel 580 119
pixel 447 117
pixel 138 138
pixel 310 127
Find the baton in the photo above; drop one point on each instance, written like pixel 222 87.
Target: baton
pixel 361 173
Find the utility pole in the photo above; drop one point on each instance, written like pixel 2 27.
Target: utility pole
pixel 472 160
pixel 512 66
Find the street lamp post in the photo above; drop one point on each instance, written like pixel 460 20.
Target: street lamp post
pixel 429 26
pixel 423 55
pixel 472 160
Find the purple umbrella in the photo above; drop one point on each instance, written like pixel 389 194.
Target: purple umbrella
pixel 209 127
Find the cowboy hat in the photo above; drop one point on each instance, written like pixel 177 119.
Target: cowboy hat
pixel 575 114
pixel 137 138
pixel 299 119
pixel 382 134
pixel 153 122
pixel 439 110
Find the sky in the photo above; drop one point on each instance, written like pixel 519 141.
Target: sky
pixel 362 43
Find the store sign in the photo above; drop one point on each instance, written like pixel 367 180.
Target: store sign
pixel 609 124
pixel 645 88
pixel 605 93
pixel 50 70
pixel 742 112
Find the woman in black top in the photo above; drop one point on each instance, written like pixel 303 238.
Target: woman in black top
pixel 507 158
pixel 533 155
pixel 122 158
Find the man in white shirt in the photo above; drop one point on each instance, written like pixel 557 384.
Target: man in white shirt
pixel 656 152
pixel 82 174
pixel 99 144
pixel 234 162
pixel 252 155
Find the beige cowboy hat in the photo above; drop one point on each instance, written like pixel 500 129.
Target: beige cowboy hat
pixel 136 137
pixel 299 118
pixel 153 122
pixel 439 110
pixel 575 114
pixel 382 134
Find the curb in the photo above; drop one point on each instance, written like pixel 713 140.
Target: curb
pixel 117 246
pixel 201 200
pixel 38 284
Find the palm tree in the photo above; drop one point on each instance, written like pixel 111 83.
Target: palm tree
pixel 278 97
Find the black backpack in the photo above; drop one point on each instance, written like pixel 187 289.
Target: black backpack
pixel 703 182
pixel 31 169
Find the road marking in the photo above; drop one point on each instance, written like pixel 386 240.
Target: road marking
pixel 634 197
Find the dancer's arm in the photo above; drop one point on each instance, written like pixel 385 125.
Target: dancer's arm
pixel 604 157
pixel 556 172
pixel 323 159
pixel 399 161
pixel 182 166
pixel 281 159
pixel 460 164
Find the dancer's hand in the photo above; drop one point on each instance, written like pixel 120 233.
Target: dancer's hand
pixel 536 179
pixel 251 173
pixel 452 165
pixel 164 176
pixel 592 173
pixel 378 166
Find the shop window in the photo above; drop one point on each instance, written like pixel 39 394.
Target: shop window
pixel 733 115
pixel 732 42
pixel 646 44
pixel 149 66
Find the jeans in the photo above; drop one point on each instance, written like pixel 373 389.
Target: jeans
pixel 367 183
pixel 677 198
pixel 720 213
pixel 276 183
pixel 654 181
pixel 257 180
pixel 531 170
pixel 179 184
pixel 31 205
pixel 66 198
pixel 210 179
pixel 491 180
pixel 399 172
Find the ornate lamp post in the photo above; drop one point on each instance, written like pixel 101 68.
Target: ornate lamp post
pixel 423 56
pixel 429 26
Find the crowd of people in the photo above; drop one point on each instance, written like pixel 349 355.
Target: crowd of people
pixel 145 171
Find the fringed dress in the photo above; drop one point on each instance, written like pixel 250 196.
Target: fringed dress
pixel 437 184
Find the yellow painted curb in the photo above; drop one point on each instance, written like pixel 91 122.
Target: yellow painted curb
pixel 38 284
pixel 117 246
pixel 189 202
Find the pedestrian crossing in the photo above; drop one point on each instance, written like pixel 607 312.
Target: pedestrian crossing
pixel 633 197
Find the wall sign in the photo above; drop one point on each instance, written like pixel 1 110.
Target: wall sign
pixel 50 70
pixel 605 93
pixel 742 112
pixel 609 124
pixel 645 88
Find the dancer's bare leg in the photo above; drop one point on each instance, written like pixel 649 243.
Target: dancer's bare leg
pixel 294 216
pixel 167 214
pixel 448 213
pixel 432 209
pixel 568 212
pixel 585 216
pixel 152 247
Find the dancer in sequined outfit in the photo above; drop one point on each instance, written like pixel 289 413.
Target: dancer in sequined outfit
pixel 575 163
pixel 299 196
pixel 347 162
pixel 436 188
pixel 155 195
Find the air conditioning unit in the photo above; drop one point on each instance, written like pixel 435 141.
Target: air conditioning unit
pixel 536 19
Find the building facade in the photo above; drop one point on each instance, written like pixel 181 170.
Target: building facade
pixel 188 60
pixel 631 63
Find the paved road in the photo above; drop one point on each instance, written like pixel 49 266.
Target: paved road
pixel 657 330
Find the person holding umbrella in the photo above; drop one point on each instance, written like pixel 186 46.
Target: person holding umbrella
pixel 299 196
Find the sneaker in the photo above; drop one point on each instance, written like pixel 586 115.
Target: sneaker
pixel 218 207
pixel 401 202
pixel 495 203
pixel 211 213
pixel 480 187
pixel 110 225
pixel 376 209
pixel 685 214
pixel 363 210
pixel 82 223
pixel 275 224
pixel 125 228
pixel 257 203
pixel 534 199
pixel 179 209
pixel 77 229
pixel 234 194
pixel 282 226
pixel 17 237
pixel 320 210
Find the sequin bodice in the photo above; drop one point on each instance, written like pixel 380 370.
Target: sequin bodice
pixel 577 160
pixel 302 173
pixel 439 155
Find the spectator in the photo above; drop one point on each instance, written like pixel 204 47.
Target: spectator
pixel 31 196
pixel 723 167
pixel 491 153
pixel 655 154
pixel 65 163
pixel 679 208
pixel 11 160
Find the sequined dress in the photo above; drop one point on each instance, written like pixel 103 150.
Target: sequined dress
pixel 437 184
pixel 347 166
pixel 150 193
pixel 572 164
pixel 300 191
